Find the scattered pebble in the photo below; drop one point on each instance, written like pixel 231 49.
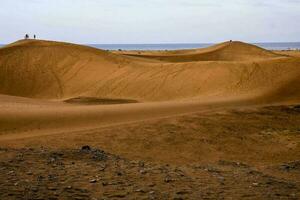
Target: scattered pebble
pixel 93 181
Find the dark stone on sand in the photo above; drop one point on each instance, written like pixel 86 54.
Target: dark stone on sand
pixel 52 188
pixel 182 192
pixel 295 165
pixel 297 107
pixel 86 148
pixel 119 173
pixel 105 183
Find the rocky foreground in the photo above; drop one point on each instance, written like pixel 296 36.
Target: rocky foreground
pixel 89 173
pixel 248 153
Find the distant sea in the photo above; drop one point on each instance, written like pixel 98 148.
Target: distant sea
pixel 270 46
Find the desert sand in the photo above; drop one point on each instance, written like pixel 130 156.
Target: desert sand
pixel 219 122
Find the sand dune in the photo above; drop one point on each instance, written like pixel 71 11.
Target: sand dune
pixel 50 87
pixel 54 70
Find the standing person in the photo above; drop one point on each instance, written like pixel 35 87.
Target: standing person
pixel 34 36
pixel 26 36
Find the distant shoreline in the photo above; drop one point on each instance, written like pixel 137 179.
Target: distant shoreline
pixel 179 46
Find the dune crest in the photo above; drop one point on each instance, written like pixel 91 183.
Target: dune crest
pixel 227 51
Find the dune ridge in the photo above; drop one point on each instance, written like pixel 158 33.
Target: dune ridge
pixel 227 51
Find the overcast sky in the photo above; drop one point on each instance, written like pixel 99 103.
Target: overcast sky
pixel 151 21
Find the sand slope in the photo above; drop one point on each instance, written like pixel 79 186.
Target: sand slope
pixel 54 70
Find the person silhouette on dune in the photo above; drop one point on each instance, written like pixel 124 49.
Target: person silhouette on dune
pixel 26 36
pixel 34 36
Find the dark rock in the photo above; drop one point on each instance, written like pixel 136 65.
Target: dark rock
pixel 151 184
pixel 57 154
pixel 29 173
pixel 297 107
pixel 86 148
pixel 295 165
pixel 52 188
pixel 104 183
pixel 182 192
pixel 168 179
pixel 254 172
pixel 119 173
